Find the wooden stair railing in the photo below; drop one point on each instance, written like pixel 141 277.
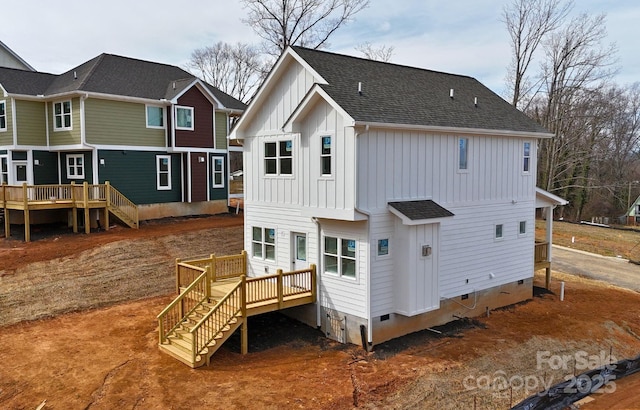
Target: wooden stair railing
pixel 219 323
pixel 183 305
pixel 122 207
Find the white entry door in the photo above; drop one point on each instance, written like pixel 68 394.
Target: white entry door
pixel 299 258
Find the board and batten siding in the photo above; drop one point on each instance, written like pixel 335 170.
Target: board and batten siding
pixel 31 123
pixel 404 165
pixel 282 98
pixel 65 137
pixel 120 123
pixel 307 187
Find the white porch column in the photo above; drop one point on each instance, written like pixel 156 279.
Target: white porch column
pixel 549 230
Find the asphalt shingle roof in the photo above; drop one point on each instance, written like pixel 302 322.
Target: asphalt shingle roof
pixel 396 94
pixel 422 209
pixel 113 75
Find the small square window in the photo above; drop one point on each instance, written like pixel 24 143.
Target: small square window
pixel 155 117
pixel 263 243
pixel 75 166
pixel 523 227
pixel 184 118
pixel 383 247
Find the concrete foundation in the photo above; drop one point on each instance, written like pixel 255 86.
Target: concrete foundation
pixel 346 328
pixel 172 209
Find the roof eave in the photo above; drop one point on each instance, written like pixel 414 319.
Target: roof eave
pixel 455 130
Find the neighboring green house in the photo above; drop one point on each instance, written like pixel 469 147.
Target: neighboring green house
pixel 154 131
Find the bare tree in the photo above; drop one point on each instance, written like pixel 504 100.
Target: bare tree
pixel 235 69
pixel 528 23
pixel 307 23
pixel 381 53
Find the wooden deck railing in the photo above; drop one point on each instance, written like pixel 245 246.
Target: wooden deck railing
pixel 541 252
pixel 224 267
pixel 223 314
pixel 193 296
pixel 298 282
pixel 123 206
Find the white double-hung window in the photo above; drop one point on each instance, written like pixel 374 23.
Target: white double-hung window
pixel 62 116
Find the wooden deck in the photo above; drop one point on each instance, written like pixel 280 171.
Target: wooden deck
pixel 541 260
pixel 29 198
pixel 215 298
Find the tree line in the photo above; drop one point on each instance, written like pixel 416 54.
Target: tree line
pixel 560 74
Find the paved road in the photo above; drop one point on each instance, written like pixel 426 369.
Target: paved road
pixel 616 271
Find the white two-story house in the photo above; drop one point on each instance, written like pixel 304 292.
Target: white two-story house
pixel 413 191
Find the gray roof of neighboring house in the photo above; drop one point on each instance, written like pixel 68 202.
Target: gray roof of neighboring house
pixel 396 94
pixel 421 209
pixel 113 75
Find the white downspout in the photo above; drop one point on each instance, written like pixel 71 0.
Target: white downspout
pixel 355 197
pixel 319 269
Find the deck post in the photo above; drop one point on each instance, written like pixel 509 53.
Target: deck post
pixel 74 208
pixel 244 344
pixel 87 220
pixel 244 262
pixel 107 194
pixel 212 271
pixel 547 281
pixel 7 225
pixel 25 199
pixel 313 282
pixel 178 275
pixel 280 289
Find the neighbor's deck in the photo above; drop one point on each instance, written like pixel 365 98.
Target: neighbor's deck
pixel 27 198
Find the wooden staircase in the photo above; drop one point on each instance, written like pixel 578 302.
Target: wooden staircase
pixel 180 342
pixel 215 298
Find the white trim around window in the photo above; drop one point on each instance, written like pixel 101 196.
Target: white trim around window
pixel 163 172
pixel 217 172
pixel 326 155
pixel 383 248
pixel 339 257
pixel 184 118
pixel 3 115
pixel 526 157
pixel 498 232
pixel 263 243
pixel 463 155
pixel 75 166
pixel 522 228
pixel 62 116
pixel 154 116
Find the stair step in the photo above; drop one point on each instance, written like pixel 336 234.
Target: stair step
pixel 180 354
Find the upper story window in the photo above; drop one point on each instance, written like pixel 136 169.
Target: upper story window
pixel 498 231
pixel 62 116
pixel 155 116
pixel 526 157
pixel 463 154
pixel 217 169
pixel 75 166
pixel 184 118
pixel 325 155
pixel 163 172
pixel 3 116
pixel 340 256
pixel 278 157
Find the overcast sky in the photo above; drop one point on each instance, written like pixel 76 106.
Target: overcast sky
pixel 457 36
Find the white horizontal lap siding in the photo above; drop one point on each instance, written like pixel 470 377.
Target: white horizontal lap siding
pixel 341 294
pixel 469 250
pixel 403 165
pixel 282 99
pixel 284 221
pixel 337 190
pixel 382 271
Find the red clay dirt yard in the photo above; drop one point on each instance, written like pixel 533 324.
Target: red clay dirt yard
pixel 78 330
